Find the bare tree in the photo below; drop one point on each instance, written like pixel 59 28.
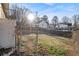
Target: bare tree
pixel 12 11
pixel 22 16
pixel 65 19
pixel 75 20
pixel 55 21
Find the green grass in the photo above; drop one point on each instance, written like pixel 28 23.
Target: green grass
pixel 53 41
pixel 56 51
pixel 53 45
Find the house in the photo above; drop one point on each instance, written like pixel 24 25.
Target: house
pixel 7 28
pixel 61 27
pixel 43 25
pixel 51 27
pixel 65 26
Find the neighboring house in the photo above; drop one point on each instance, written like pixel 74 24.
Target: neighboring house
pixel 51 27
pixel 61 27
pixel 65 26
pixel 43 24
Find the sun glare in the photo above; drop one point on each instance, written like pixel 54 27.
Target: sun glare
pixel 30 17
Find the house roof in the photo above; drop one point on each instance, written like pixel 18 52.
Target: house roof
pixel 66 23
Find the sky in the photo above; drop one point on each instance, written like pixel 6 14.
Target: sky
pixel 52 9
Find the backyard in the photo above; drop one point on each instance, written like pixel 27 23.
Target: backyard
pixel 35 30
pixel 47 45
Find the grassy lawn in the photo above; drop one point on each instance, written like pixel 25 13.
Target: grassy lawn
pixel 48 45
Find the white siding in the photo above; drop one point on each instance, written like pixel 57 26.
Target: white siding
pixel 43 25
pixel 63 26
pixel 7 31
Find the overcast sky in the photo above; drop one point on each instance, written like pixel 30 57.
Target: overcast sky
pixel 52 9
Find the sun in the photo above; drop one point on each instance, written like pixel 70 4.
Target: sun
pixel 31 17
